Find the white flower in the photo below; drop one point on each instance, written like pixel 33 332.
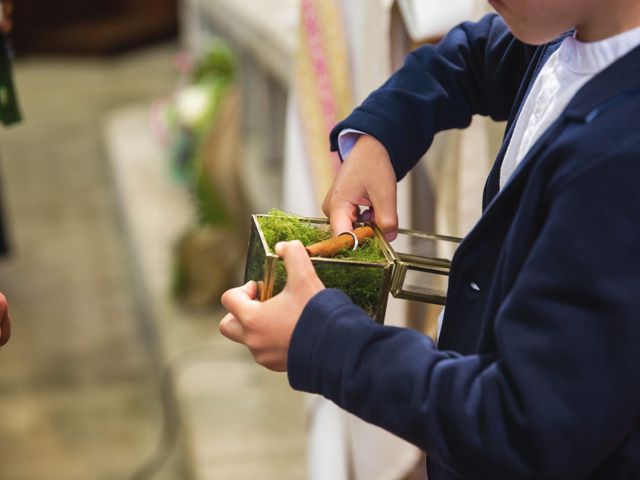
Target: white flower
pixel 192 104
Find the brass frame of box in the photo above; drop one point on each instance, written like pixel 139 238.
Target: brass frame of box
pixel 394 270
pixel 433 265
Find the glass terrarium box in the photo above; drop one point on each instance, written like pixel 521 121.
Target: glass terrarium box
pixel 415 268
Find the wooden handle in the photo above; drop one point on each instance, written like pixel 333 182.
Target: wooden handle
pixel 328 248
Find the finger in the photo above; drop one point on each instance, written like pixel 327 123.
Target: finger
pixel 251 289
pixel 342 212
pixel 341 218
pixel 240 300
pixel 371 217
pixel 385 211
pixel 296 261
pixel 231 328
pixel 366 216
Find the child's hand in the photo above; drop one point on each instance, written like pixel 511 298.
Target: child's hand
pixel 5 322
pixel 265 328
pixel 365 178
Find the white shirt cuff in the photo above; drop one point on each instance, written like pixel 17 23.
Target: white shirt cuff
pixel 347 138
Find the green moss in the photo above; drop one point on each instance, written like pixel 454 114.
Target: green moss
pixel 282 227
pixel 361 283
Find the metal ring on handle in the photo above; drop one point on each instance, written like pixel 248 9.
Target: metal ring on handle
pixel 355 238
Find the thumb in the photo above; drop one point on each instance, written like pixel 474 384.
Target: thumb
pixel 296 261
pixel 385 213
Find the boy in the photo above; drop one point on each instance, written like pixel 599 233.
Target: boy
pixel 537 371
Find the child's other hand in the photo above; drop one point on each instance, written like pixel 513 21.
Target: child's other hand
pixel 6 21
pixel 365 178
pixel 5 322
pixel 265 328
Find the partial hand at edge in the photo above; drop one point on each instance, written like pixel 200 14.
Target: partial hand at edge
pixel 365 178
pixel 5 321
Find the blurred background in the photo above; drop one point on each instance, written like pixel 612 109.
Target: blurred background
pixel 150 130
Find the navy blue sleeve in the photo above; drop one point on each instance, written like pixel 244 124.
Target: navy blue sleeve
pixel 562 390
pixel 476 69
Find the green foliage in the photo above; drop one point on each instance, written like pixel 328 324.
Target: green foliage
pixel 193 117
pixel 179 278
pixel 219 62
pixel 216 89
pixel 360 282
pixel 282 227
pixel 207 85
pixel 210 208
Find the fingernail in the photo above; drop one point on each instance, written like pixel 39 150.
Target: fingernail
pixel 390 236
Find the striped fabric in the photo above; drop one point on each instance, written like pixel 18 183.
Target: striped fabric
pixel 323 82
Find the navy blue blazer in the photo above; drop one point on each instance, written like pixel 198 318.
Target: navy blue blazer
pixel 537 375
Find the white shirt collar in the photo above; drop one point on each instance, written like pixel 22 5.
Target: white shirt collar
pixel 593 57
